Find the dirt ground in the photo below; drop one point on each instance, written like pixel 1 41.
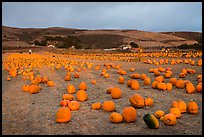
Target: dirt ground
pixel 34 114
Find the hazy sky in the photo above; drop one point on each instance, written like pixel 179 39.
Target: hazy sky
pixel 148 16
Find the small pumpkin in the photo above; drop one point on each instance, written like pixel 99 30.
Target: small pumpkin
pixel 154 84
pixel 108 90
pixel 143 76
pixel 129 82
pixel 176 112
pixel 71 88
pixel 135 85
pixel 63 114
pixel 69 97
pixel 67 78
pixel 149 102
pixel 8 79
pixel 160 79
pixel 64 103
pixel 180 84
pixel 151 121
pixel 82 95
pixel 161 86
pixel 168 86
pixel 93 81
pixel 108 106
pixel 192 107
pixel 190 88
pixel 137 101
pixel 26 88
pixel 33 89
pixel 169 119
pixel 96 105
pixel 121 80
pixel 116 117
pixel 159 113
pixel 173 81
pixel 51 83
pixel 199 87
pixel 147 81
pixel 73 105
pixel 44 79
pixel 116 93
pixel 129 114
pixel 82 86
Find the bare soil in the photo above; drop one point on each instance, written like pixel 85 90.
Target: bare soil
pixel 34 114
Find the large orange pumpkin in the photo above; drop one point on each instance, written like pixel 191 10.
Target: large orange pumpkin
pixel 82 95
pixel 63 114
pixel 116 93
pixel 129 114
pixel 137 101
pixel 192 107
pixel 108 106
pixel 116 117
pixel 190 88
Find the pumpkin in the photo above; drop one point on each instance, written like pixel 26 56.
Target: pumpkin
pixel 147 81
pixel 168 86
pixel 190 88
pixel 93 81
pixel 108 90
pixel 67 97
pixel 161 86
pixel 149 102
pixel 180 84
pixel 64 103
pixel 33 89
pixel 135 85
pixel 108 106
pixel 67 78
pixel 83 86
pixel 116 93
pixel 44 79
pixel 76 75
pixel 180 104
pixel 73 105
pixel 151 121
pixel 192 107
pixel 63 115
pixel 129 114
pixel 136 76
pixel 121 80
pixel 173 81
pixel 199 87
pixel 174 104
pixel 176 112
pixel 137 101
pixel 160 79
pixel 106 75
pixel 51 83
pixel 82 95
pixel 129 82
pixel 96 105
pixel 143 76
pixel 156 73
pixel 154 84
pixel 26 88
pixel 71 88
pixel 8 78
pixel 169 119
pixel 159 113
pixel 116 117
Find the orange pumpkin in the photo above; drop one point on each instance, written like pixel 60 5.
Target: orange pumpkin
pixel 173 81
pixel 26 88
pixel 8 78
pixel 82 86
pixel 67 78
pixel 73 105
pixel 51 83
pixel 96 105
pixel 64 103
pixel 160 79
pixel 168 86
pixel 190 88
pixel 71 88
pixel 116 93
pixel 121 80
pixel 135 85
pixel 192 107
pixel 149 102
pixel 44 79
pixel 116 117
pixel 129 114
pixel 180 84
pixel 176 112
pixel 154 84
pixel 108 90
pixel 161 86
pixel 68 97
pixel 147 81
pixel 108 106
pixel 159 113
pixel 199 87
pixel 33 89
pixel 82 95
pixel 137 101
pixel 143 76
pixel 63 115
pixel 169 119
pixel 129 82
pixel 93 81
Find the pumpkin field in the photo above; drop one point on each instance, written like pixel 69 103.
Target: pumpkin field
pixel 102 93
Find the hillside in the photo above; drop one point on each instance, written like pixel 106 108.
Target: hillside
pixel 97 39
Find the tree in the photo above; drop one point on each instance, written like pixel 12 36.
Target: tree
pixel 134 45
